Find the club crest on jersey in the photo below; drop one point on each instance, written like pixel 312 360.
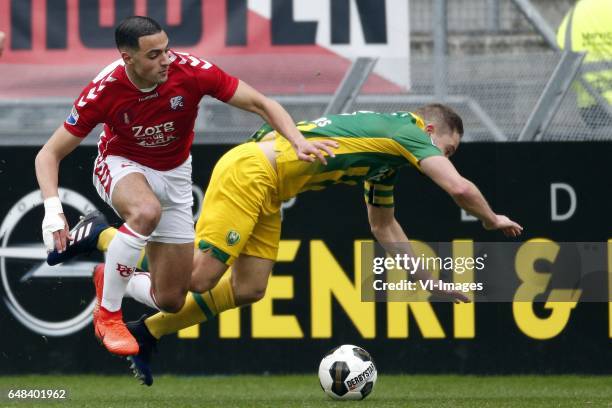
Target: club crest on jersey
pixel 232 237
pixel 176 103
pixel 73 118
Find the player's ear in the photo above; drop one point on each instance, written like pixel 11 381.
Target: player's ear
pixel 429 128
pixel 126 56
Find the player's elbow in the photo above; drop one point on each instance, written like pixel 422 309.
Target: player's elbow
pixel 38 160
pixel 259 104
pixel 460 189
pixel 43 160
pixel 380 230
pixel 375 229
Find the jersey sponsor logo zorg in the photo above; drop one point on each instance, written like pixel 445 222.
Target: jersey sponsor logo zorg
pixel 153 136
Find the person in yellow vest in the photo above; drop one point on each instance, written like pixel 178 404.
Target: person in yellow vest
pixel 588 28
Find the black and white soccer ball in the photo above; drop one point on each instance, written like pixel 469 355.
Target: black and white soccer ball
pixel 347 373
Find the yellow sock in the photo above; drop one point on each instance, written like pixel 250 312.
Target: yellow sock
pixel 199 307
pixel 107 236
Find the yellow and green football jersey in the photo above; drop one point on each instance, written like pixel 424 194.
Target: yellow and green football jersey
pixel 372 147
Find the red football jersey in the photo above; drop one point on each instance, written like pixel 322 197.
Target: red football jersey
pixel 153 127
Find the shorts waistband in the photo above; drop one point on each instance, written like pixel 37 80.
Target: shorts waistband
pixel 254 149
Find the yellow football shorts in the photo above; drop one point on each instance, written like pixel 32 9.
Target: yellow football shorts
pixel 241 211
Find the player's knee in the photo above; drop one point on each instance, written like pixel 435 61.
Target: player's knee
pixel 146 216
pixel 257 294
pixel 150 212
pixel 202 284
pixel 252 295
pixel 171 303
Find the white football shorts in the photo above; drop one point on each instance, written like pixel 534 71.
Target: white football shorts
pixel 173 188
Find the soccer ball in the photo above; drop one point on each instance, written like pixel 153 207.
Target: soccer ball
pixel 347 373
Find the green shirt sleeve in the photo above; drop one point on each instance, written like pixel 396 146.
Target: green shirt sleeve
pixel 260 133
pixel 416 144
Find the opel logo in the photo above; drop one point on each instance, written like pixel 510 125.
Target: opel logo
pixel 37 254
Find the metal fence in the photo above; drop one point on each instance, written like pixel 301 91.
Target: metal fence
pixel 571 123
pixel 470 17
pixel 496 93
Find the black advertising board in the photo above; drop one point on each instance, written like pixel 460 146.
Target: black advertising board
pixel 558 191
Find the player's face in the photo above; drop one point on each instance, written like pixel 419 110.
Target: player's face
pixel 447 142
pixel 450 143
pixel 150 62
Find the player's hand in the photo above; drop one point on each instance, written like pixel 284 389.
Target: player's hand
pixel 506 225
pixel 454 295
pixel 54 226
pixel 309 150
pixel 2 35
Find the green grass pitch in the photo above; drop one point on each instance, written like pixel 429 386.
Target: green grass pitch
pixel 303 391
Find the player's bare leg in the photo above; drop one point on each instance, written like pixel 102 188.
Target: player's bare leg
pixel 170 266
pixel 246 284
pixel 250 278
pixel 208 297
pixel 214 296
pixel 139 207
pixel 207 271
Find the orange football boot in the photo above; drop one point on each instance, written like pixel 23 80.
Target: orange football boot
pixel 109 326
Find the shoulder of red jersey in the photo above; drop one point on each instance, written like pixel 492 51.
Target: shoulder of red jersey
pixel 187 61
pixel 210 79
pixel 88 108
pixel 103 81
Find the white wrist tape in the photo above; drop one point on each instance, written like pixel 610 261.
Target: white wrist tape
pixel 52 221
pixel 53 205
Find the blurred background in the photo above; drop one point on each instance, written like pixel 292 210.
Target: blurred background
pixel 490 59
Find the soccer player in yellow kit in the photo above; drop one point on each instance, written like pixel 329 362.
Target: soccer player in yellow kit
pixel 240 222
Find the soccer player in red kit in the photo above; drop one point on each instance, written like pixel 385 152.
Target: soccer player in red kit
pixel 148 102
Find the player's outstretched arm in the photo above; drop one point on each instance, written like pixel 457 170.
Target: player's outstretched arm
pixel 272 112
pixel 54 226
pixel 390 234
pixel 467 195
